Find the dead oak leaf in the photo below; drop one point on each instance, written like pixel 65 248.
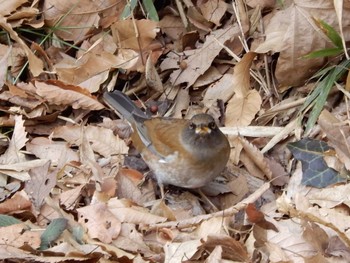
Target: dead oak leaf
pixel 56 92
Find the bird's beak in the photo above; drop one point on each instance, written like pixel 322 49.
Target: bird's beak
pixel 203 130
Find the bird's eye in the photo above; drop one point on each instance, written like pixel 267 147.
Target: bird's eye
pixel 192 126
pixel 212 125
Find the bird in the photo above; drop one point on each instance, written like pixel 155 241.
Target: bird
pixel 187 153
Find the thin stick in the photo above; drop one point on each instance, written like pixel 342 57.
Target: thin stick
pixel 224 213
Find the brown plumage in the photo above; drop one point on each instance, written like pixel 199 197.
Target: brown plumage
pixel 185 153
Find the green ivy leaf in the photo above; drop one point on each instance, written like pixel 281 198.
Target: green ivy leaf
pixel 316 173
pixel 150 10
pixel 6 220
pixel 128 9
pixel 52 232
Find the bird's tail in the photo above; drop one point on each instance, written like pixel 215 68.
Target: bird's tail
pixel 118 101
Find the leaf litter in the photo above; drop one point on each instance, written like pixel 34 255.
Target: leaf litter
pixel 73 189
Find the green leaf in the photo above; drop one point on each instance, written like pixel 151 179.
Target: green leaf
pixel 128 9
pixel 316 173
pixel 327 52
pixel 331 33
pixel 6 220
pixel 150 9
pixel 52 232
pixel 319 95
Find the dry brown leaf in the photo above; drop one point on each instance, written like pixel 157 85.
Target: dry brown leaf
pixel 182 102
pixel 152 77
pixel 172 27
pixel 199 60
pixel 184 206
pixel 59 93
pixel 285 245
pixel 18 140
pixel 68 199
pixel 58 153
pixel 262 3
pixel 246 102
pixel 316 236
pixel 220 90
pixel 331 197
pixel 257 157
pixel 338 135
pixel 293 33
pixel 18 202
pixel 26 15
pixel 128 181
pixel 337 248
pixel 7 7
pixel 240 111
pixel 258 218
pixel 132 240
pixel 36 66
pixel 40 184
pixel 210 76
pixel 102 140
pixel 131 214
pixel 159 208
pixel 74 19
pixel 215 255
pixel 20 170
pixel 232 249
pixel 91 66
pixel 176 251
pixel 126 36
pixel 279 175
pixel 99 222
pixel 4 65
pixel 18 235
pixel 213 11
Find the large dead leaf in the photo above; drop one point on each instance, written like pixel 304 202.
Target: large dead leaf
pixel 40 184
pixel 18 140
pixel 58 153
pixel 59 93
pixel 244 105
pixel 99 222
pixel 134 34
pixel 73 20
pixel 7 7
pixel 35 64
pixel 338 135
pixel 102 140
pixel 19 235
pixel 293 33
pixel 198 60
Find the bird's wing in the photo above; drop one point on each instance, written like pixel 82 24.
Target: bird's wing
pixel 165 134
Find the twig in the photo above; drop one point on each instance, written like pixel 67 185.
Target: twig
pixel 224 213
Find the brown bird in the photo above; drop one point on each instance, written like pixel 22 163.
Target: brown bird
pixel 184 153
